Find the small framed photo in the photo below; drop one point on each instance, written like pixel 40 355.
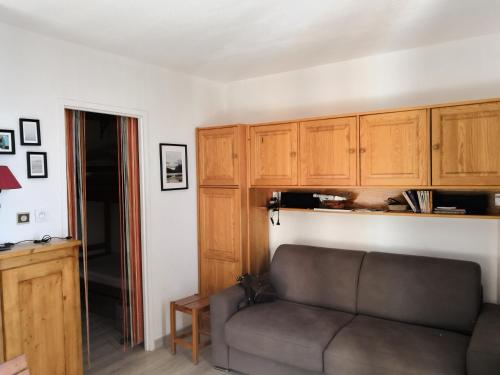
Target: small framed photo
pixel 7 142
pixel 173 164
pixel 30 132
pixel 37 164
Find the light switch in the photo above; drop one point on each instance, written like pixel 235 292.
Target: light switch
pixel 41 215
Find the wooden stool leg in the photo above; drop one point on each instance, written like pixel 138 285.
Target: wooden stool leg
pixel 172 328
pixel 196 336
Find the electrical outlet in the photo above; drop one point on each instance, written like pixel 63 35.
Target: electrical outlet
pixel 23 217
pixel 497 199
pixel 41 215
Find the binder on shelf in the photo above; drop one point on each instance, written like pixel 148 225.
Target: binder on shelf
pixel 419 200
pixel 410 202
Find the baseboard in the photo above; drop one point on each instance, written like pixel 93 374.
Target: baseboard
pixel 164 341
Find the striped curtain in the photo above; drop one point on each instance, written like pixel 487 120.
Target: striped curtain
pixel 130 219
pixel 77 212
pixel 130 230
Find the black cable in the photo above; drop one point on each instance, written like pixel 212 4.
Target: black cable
pixel 279 205
pixel 45 239
pixel 18 242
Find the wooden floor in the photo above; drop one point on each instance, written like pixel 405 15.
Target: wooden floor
pixel 108 356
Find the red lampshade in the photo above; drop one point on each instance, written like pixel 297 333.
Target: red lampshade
pixel 7 179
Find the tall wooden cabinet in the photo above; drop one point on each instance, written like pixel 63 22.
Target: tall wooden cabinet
pixel 225 249
pixel 394 148
pixel 328 152
pixel 466 145
pixel 40 302
pixel 273 154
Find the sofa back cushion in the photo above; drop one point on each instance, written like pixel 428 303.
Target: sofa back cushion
pixel 317 276
pixel 441 293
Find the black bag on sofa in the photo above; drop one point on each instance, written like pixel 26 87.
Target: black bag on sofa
pixel 258 289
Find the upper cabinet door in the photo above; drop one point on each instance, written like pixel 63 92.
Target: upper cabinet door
pixel 218 156
pixel 394 148
pixel 328 152
pixel 273 154
pixel 466 145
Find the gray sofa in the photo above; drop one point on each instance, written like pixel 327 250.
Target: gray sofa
pixel 346 312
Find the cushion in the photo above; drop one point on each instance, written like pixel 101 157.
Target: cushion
pixel 317 276
pixel 483 356
pixel 381 347
pixel 285 332
pixel 440 293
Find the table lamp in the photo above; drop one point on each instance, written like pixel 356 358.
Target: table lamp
pixel 7 179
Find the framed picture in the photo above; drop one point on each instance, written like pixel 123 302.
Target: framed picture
pixel 173 164
pixel 7 142
pixel 30 132
pixel 37 164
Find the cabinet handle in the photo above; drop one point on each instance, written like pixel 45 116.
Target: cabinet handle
pixel 352 150
pixel 436 146
pixel 235 156
pixel 293 154
pixel 362 150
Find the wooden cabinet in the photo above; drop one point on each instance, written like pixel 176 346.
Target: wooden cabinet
pixel 328 152
pixel 273 154
pixel 394 148
pixel 41 307
pixel 382 149
pixel 220 236
pixel 466 145
pixel 220 151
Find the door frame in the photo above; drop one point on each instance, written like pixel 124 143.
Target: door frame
pixel 142 121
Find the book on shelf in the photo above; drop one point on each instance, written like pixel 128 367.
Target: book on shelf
pixel 450 210
pixel 419 200
pixel 333 209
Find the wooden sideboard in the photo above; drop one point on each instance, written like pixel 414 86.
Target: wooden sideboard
pixel 40 299
pixel 373 155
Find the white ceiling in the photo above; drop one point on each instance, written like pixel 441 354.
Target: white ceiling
pixel 227 40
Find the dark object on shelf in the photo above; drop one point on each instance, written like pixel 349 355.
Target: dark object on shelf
pixel 395 204
pixel 299 200
pixel 473 203
pixel 273 204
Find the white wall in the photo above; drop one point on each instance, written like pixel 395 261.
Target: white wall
pixel 467 69
pixel 465 239
pixel 37 76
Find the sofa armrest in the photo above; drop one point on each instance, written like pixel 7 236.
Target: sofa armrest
pixel 483 355
pixel 222 306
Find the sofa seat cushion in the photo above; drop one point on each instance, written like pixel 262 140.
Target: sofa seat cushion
pixel 381 347
pixel 285 332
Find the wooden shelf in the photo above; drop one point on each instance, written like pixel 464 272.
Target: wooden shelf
pixel 360 187
pixel 388 213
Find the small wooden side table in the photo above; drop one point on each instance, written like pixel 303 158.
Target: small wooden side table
pixel 193 305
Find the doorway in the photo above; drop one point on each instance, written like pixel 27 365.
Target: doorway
pixel 104 213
